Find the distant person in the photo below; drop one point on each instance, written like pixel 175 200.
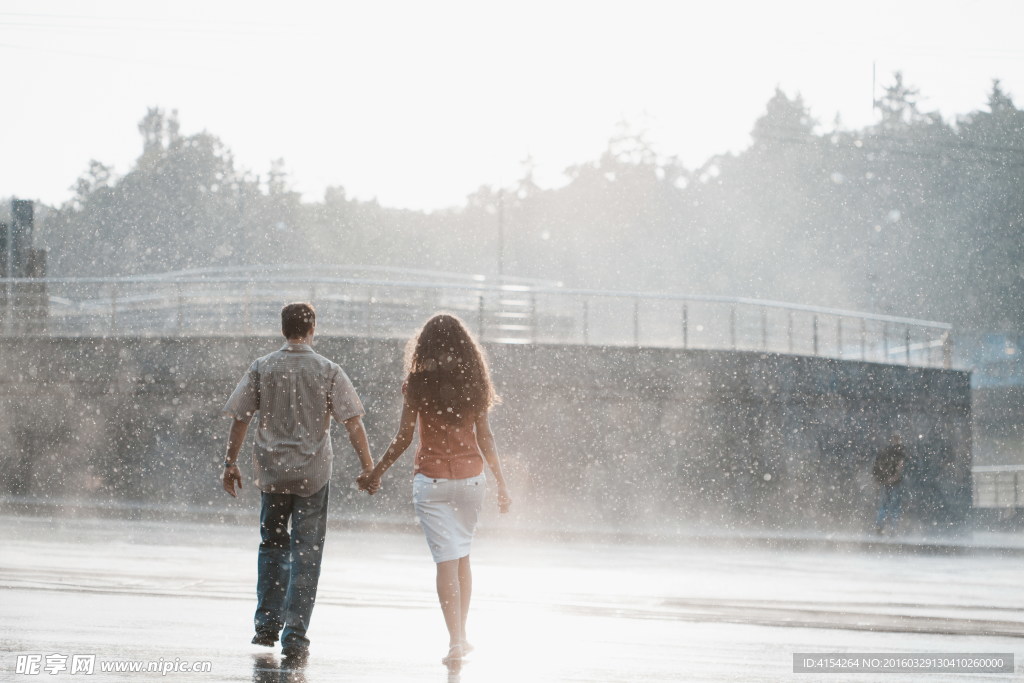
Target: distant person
pixel 447 395
pixel 888 472
pixel 296 393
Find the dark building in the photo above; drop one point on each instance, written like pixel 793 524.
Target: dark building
pixel 24 306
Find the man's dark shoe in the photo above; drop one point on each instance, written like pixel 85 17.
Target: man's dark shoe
pixel 264 639
pixel 294 656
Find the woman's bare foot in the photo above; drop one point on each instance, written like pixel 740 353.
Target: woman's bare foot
pixel 467 647
pixel 454 656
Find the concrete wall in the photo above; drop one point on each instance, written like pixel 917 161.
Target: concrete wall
pixel 625 439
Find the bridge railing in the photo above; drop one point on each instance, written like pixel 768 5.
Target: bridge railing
pixel 230 304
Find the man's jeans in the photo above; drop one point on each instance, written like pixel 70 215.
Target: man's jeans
pixel 890 504
pixel 289 567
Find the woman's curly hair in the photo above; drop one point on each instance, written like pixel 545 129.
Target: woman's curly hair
pixel 448 374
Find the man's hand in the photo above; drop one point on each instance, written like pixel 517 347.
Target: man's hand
pixel 235 439
pixel 231 477
pixel 368 482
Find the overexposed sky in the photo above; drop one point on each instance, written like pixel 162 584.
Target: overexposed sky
pixel 418 103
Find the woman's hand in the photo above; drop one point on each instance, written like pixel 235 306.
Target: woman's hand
pixel 504 500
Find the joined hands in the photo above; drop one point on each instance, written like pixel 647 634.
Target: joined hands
pixel 368 482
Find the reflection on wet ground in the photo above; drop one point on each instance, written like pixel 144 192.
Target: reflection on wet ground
pixel 270 668
pixel 543 610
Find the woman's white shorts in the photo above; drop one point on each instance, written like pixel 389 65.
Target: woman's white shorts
pixel 448 510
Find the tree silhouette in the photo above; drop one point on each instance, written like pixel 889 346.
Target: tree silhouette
pixel 912 215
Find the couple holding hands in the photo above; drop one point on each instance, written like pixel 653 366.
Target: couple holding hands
pixel 296 392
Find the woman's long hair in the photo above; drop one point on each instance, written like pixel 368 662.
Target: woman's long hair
pixel 448 374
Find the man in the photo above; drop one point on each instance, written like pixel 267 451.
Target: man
pixel 296 393
pixel 888 472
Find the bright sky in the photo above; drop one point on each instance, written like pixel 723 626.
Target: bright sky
pixel 419 103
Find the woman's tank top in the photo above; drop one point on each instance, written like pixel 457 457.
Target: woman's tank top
pixel 446 450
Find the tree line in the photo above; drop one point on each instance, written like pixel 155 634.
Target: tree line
pixel 912 215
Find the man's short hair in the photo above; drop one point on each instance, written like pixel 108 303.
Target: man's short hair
pixel 297 320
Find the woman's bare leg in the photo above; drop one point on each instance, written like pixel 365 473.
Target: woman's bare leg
pixel 449 594
pixel 465 594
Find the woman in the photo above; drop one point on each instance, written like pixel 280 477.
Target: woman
pixel 448 394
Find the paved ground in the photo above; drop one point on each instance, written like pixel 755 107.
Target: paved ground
pixel 543 610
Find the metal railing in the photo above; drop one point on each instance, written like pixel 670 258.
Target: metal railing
pixel 248 301
pixel 1000 486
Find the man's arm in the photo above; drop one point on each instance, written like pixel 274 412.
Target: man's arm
pixel 898 471
pixel 357 437
pixel 236 437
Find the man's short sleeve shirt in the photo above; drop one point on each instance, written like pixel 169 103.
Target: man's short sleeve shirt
pixel 295 391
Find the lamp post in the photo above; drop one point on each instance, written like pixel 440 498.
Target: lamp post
pixel 501 235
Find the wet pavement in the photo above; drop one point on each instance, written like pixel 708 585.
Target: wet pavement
pixel 182 593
